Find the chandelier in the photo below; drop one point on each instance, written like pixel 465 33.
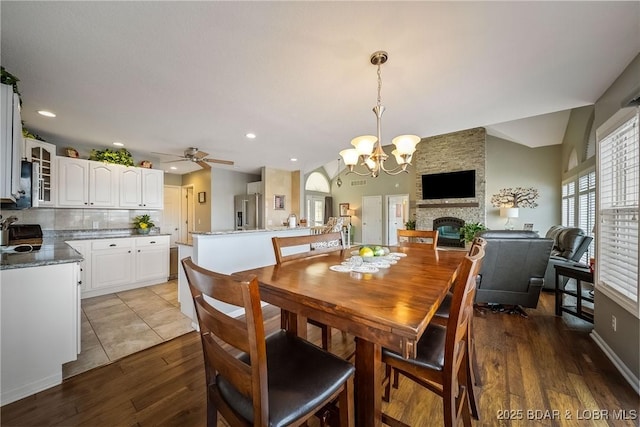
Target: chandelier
pixel 368 148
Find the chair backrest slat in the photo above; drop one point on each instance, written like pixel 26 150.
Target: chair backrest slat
pixel 412 235
pixel 313 244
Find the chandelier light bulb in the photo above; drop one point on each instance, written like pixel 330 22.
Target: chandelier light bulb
pixel 364 144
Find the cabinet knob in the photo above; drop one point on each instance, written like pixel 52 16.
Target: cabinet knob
pixel 128 251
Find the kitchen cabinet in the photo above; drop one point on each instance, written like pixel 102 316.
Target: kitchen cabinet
pixel 123 263
pixel 44 155
pixel 112 262
pixel 152 258
pixel 84 248
pixel 39 327
pixel 141 188
pixel 83 183
pixel 10 144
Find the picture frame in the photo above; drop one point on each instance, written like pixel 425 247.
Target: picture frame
pixel 202 197
pixel 528 227
pixel 278 202
pixel 344 209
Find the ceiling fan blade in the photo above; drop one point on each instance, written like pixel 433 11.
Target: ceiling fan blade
pixel 222 162
pixel 203 165
pixel 166 154
pixel 173 161
pixel 200 155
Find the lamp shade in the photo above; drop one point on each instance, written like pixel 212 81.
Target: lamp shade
pixel 350 156
pixel 364 144
pixel 406 144
pixel 509 212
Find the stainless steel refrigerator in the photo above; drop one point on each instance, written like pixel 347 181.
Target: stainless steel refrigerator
pixel 248 211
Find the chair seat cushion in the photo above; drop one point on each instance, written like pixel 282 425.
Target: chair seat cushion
pixel 430 350
pixel 300 377
pixel 445 306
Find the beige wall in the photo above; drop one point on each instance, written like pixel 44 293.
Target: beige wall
pixel 201 181
pixel 278 182
pixel 625 342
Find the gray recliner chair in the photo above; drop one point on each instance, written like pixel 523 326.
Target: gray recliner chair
pixel 569 244
pixel 512 272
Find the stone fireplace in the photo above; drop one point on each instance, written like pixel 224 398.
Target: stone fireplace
pixel 449 231
pixel 452 152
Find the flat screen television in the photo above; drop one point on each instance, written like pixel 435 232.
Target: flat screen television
pixel 449 185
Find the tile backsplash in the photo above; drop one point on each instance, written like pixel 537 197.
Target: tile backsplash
pixel 81 219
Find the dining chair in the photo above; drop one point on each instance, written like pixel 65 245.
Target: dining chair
pixel 311 245
pixel 253 380
pixel 413 235
pixel 442 317
pixel 441 361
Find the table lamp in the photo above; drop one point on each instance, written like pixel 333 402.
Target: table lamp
pixel 509 213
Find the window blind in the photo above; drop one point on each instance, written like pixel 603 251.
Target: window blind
pixel 587 208
pixel 568 204
pixel 618 200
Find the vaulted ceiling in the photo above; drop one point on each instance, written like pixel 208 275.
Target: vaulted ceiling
pixel 164 76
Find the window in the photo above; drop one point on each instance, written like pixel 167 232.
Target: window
pixel 579 206
pixel 618 199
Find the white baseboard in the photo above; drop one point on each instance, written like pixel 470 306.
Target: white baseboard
pixel 9 396
pixel 633 381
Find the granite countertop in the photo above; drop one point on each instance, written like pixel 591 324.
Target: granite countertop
pixel 51 252
pixel 258 230
pixel 55 250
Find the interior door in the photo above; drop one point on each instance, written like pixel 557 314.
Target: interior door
pixel 397 215
pixel 187 217
pixel 372 220
pixel 171 213
pixel 315 210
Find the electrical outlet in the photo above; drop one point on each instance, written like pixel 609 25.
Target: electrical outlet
pixel 96 224
pixel 613 323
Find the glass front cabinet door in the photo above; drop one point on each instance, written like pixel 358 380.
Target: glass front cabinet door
pixel 43 154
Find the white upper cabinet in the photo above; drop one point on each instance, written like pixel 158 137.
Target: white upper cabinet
pixel 10 144
pixel 103 185
pixel 73 182
pixel 141 188
pixel 82 183
pixel 44 155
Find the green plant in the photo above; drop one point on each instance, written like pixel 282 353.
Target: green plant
pixel 411 224
pixel 143 221
pixel 9 79
pixel 120 157
pixel 469 230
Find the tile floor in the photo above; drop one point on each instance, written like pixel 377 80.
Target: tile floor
pixel 119 324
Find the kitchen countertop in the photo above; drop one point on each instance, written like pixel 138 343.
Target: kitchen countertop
pixel 257 230
pixel 55 250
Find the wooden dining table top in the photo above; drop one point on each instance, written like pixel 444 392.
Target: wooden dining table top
pixel 391 307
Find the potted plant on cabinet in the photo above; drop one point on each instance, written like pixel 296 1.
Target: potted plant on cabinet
pixel 469 230
pixel 143 223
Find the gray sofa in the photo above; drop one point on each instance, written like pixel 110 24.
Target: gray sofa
pixel 513 269
pixel 569 244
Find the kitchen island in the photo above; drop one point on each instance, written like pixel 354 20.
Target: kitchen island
pixel 40 329
pixel 227 252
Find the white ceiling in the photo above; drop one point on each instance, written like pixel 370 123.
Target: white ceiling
pixel 164 76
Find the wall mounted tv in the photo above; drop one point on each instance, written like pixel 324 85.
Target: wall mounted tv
pixel 449 185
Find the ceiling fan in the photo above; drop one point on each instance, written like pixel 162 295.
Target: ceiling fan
pixel 192 154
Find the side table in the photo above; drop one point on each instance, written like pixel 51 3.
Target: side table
pixel 580 274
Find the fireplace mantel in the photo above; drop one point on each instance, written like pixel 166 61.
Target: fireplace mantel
pixel 448 205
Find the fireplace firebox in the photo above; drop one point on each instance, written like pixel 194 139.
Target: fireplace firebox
pixel 449 231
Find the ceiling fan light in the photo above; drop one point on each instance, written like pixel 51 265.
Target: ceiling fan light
pixel 406 144
pixel 364 144
pixel 350 156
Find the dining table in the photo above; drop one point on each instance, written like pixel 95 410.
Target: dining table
pixel 389 308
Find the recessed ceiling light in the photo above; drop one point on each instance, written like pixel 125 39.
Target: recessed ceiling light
pixel 251 135
pixel 293 159
pixel 46 113
pixel 118 144
pixel 173 168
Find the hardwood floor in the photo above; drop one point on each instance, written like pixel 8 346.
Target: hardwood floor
pixel 529 367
